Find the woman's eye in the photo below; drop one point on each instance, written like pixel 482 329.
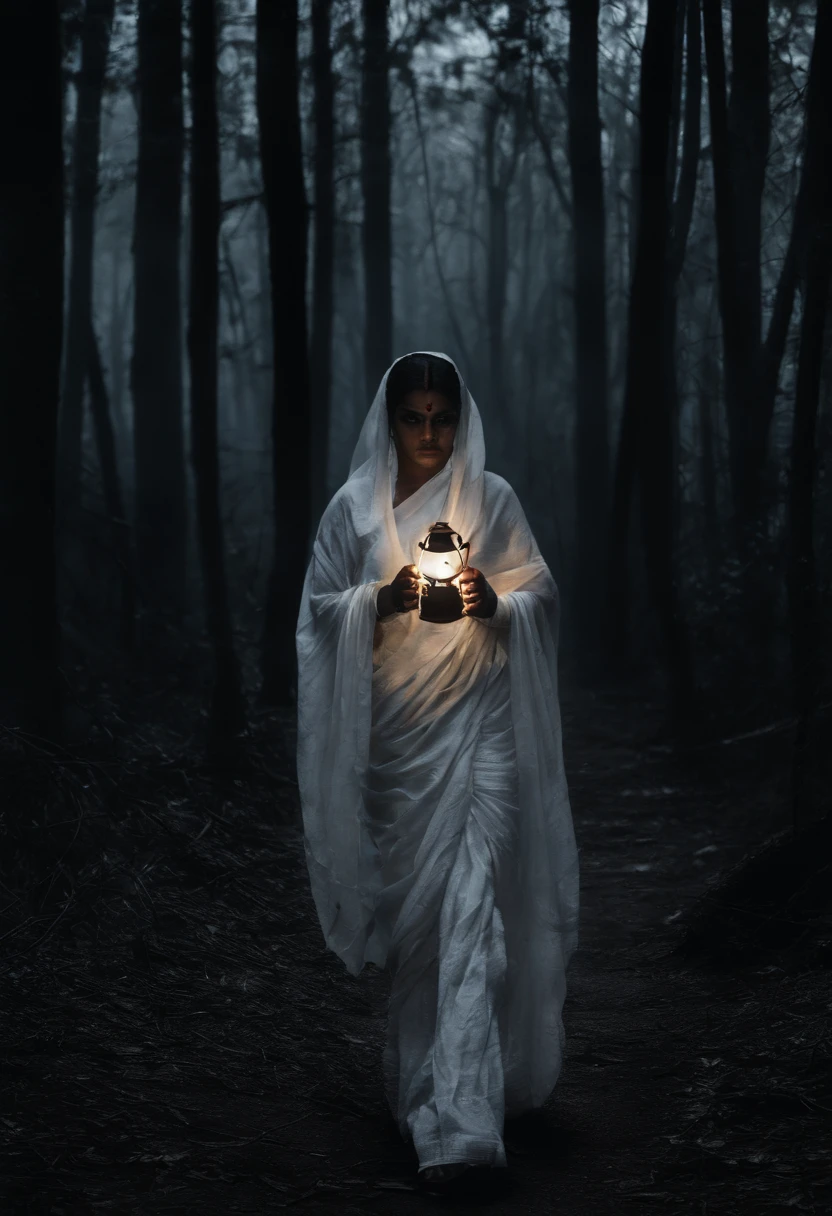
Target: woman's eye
pixel 440 420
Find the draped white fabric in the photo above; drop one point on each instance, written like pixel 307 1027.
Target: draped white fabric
pixel 437 825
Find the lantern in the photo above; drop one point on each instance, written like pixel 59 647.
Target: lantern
pixel 441 561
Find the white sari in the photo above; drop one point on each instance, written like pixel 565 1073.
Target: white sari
pixel 437 825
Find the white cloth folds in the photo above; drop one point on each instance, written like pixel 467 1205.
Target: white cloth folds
pixel 437 824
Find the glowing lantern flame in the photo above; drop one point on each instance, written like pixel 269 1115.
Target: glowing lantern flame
pixel 440 565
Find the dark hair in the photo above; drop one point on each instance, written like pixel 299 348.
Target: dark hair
pixel 422 372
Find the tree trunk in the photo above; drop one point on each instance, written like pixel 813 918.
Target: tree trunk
pixel 375 180
pixel 118 312
pixel 749 127
pixel 648 394
pixel 227 712
pixel 322 274
pixel 810 781
pixel 676 98
pixel 617 614
pixel 31 329
pixel 500 169
pixel 592 459
pixel 778 327
pixel 725 217
pixel 708 393
pixel 739 143
pixel 156 370
pixel 111 483
pixel 281 157
pixel 496 277
pixel 686 192
pixel 241 393
pixel 523 340
pixel 264 312
pixel 95 42
pixel 689 22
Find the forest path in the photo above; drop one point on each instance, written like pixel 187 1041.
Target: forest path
pixel 188 1046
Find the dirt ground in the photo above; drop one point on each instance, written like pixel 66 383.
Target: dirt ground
pixel 180 1041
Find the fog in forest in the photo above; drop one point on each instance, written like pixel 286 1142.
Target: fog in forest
pixel 482 266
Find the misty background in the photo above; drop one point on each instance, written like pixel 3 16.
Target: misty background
pixel 466 189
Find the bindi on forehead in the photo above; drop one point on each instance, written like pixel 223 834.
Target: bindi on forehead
pixel 437 405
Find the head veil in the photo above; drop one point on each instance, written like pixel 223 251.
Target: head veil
pixel 374 466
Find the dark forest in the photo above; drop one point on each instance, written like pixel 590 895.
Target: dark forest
pixel 220 222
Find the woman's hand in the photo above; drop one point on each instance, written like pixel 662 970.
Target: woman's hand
pixel 478 597
pixel 402 595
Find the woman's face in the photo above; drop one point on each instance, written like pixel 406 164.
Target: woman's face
pixel 424 426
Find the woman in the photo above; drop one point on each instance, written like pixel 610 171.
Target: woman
pixel 436 816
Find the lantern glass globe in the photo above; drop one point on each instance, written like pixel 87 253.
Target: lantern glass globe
pixel 440 565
